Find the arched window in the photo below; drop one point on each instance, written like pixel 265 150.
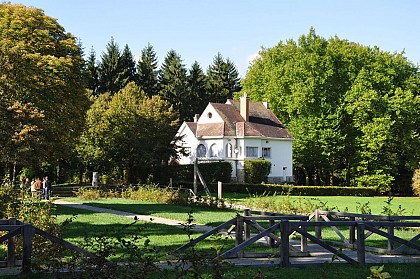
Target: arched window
pixel 228 150
pixel 213 150
pixel 201 150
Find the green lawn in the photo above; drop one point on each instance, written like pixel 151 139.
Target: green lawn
pixel 201 215
pixel 411 205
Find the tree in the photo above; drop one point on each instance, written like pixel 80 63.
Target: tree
pixel 129 131
pixel 197 90
pixel 42 94
pixel 223 79
pixel 92 73
pixel 352 109
pixel 110 69
pixel 128 69
pixel 173 83
pixel 147 71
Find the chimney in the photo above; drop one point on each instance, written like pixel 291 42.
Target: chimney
pixel 265 103
pixel 244 107
pixel 196 117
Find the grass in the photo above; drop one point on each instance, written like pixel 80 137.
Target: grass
pixel 337 203
pixel 202 215
pixel 164 238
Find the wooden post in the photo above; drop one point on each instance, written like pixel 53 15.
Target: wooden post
pixel 271 240
pixel 247 212
pixel 284 245
pixel 219 190
pixel 27 233
pixel 304 240
pixel 239 234
pixel 390 231
pixel 352 231
pixel 195 175
pixel 11 258
pixel 318 232
pixel 361 242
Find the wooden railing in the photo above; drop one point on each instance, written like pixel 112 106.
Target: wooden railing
pixel 361 227
pixel 15 228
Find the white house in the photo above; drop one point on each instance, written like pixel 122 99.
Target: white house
pixel 235 131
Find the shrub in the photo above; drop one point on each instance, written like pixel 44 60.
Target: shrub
pixel 212 172
pixel 89 194
pixel 381 181
pixel 154 193
pixel 416 182
pixel 257 171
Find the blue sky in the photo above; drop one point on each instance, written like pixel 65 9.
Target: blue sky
pixel 199 29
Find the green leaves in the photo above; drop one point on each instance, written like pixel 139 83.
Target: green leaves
pixel 353 110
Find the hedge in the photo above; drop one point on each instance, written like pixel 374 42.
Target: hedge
pixel 212 172
pixel 289 189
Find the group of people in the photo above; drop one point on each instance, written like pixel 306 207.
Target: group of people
pixel 43 186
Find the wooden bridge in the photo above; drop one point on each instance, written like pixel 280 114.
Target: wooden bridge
pixel 15 228
pixel 361 227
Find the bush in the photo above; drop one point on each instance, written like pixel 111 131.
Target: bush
pixel 257 171
pixel 381 181
pixel 294 190
pixel 416 182
pixel 212 172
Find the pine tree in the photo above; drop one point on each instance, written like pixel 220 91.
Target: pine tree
pixel 147 71
pixel 127 67
pixel 223 79
pixel 197 90
pixel 173 83
pixel 92 73
pixel 109 69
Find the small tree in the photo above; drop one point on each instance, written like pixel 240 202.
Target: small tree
pixel 257 171
pixel 416 182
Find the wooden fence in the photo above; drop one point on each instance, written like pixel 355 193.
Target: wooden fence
pixel 15 228
pixel 361 227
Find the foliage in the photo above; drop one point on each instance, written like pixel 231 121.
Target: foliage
pixel 257 171
pixel 223 79
pixel 18 204
pixel 416 182
pixel 42 97
pixel 154 193
pixel 129 132
pixel 382 182
pixel 211 172
pixel 351 108
pixel 387 209
pixel 173 84
pixel 147 71
pixel 295 190
pixel 376 273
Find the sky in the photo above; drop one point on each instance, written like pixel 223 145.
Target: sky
pixel 198 29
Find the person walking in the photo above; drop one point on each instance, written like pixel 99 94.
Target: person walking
pixel 47 188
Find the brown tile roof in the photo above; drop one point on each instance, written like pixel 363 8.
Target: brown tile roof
pixel 262 122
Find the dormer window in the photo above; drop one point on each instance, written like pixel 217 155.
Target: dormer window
pixel 209 115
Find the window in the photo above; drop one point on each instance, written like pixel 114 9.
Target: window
pixel 213 150
pixel 266 152
pixel 201 150
pixel 251 151
pixel 228 150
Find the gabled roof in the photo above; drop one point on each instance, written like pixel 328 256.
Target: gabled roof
pixel 262 122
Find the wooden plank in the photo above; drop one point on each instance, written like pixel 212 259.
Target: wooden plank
pixel 60 241
pixel 278 218
pixel 403 246
pixel 337 231
pixel 392 237
pixel 205 235
pixel 28 233
pixel 245 244
pixel 9 227
pixel 323 244
pixel 284 244
pixel 361 256
pixel 10 234
pixel 261 229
